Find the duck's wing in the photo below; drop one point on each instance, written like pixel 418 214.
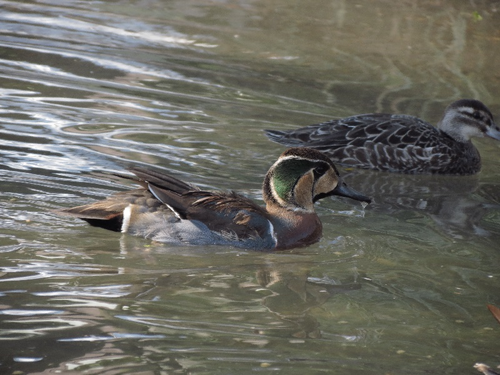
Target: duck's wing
pixel 398 143
pixel 227 213
pixel 148 177
pixel 354 130
pixel 114 204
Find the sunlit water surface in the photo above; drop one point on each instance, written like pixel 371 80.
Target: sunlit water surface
pixel 90 87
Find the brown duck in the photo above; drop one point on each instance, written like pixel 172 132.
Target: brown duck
pixel 169 210
pixel 401 143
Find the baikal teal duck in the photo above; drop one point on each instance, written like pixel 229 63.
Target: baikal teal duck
pixel 168 210
pixel 401 143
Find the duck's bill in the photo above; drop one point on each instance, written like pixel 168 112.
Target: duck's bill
pixel 493 132
pixel 345 191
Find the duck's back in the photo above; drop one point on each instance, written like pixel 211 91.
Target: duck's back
pixel 388 142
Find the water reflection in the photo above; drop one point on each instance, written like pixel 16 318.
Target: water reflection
pixel 456 204
pixel 295 294
pixel 78 314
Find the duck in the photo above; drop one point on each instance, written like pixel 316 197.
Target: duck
pixel 401 143
pixel 166 209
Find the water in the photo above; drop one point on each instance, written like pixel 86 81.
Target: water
pixel 87 88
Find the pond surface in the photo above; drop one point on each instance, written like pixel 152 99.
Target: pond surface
pixel 91 87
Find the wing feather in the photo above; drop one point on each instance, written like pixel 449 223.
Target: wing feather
pixel 398 143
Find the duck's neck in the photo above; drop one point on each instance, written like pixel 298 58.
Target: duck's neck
pixel 295 228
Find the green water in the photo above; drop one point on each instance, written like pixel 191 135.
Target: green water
pixel 87 88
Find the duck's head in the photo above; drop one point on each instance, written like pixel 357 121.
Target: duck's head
pixel 300 177
pixel 467 118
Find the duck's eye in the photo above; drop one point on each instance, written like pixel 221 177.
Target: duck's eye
pixel 320 170
pixel 477 115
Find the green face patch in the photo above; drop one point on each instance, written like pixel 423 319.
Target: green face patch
pixel 286 174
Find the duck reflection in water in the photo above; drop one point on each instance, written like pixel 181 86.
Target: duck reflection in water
pixel 456 204
pixel 294 294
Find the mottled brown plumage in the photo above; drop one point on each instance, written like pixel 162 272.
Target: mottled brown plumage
pixel 401 143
